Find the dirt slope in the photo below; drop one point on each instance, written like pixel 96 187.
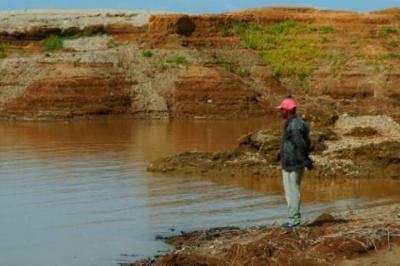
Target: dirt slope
pixel 172 65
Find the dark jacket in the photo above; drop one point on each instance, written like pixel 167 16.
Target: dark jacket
pixel 295 145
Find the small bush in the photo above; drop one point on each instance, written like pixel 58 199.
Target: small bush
pixel 325 29
pixel 386 30
pixel 53 43
pixel 147 53
pixel 173 62
pixel 163 66
pixel 178 60
pixel 228 66
pixel 243 72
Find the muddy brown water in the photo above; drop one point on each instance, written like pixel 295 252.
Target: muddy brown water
pixel 77 193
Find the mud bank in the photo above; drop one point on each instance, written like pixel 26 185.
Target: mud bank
pixel 353 147
pixel 328 240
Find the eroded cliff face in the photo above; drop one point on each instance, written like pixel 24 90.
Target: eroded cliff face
pixel 66 64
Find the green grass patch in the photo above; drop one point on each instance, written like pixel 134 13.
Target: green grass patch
pixel 385 31
pixel 56 42
pixel 178 60
pixel 284 46
pixel 173 62
pixel 53 43
pixel 227 66
pixel 147 53
pixel 281 28
pixel 242 72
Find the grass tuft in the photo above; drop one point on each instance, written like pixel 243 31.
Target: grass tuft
pixel 384 31
pixel 177 60
pixel 147 53
pixel 173 62
pixel 53 43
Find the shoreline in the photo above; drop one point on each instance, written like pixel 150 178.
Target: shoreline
pixel 345 237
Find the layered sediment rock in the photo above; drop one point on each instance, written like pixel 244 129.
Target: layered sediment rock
pixel 73 89
pixel 223 76
pixel 203 91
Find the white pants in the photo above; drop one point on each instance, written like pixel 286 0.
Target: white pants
pixel 291 184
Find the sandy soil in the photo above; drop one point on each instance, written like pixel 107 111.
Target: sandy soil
pixel 16 20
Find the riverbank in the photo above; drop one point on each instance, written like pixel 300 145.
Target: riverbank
pixel 328 240
pixel 348 147
pixel 59 64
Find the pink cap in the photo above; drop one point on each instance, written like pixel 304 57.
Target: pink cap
pixel 287 104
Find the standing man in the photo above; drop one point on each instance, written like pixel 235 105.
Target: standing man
pixel 294 150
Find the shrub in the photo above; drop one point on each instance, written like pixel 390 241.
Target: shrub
pixel 173 62
pixel 243 72
pixel 228 66
pixel 178 60
pixel 163 66
pixel 53 43
pixel 147 53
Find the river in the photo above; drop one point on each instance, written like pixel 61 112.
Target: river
pixel 77 193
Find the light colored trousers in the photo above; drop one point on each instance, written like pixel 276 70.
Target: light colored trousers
pixel 291 184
